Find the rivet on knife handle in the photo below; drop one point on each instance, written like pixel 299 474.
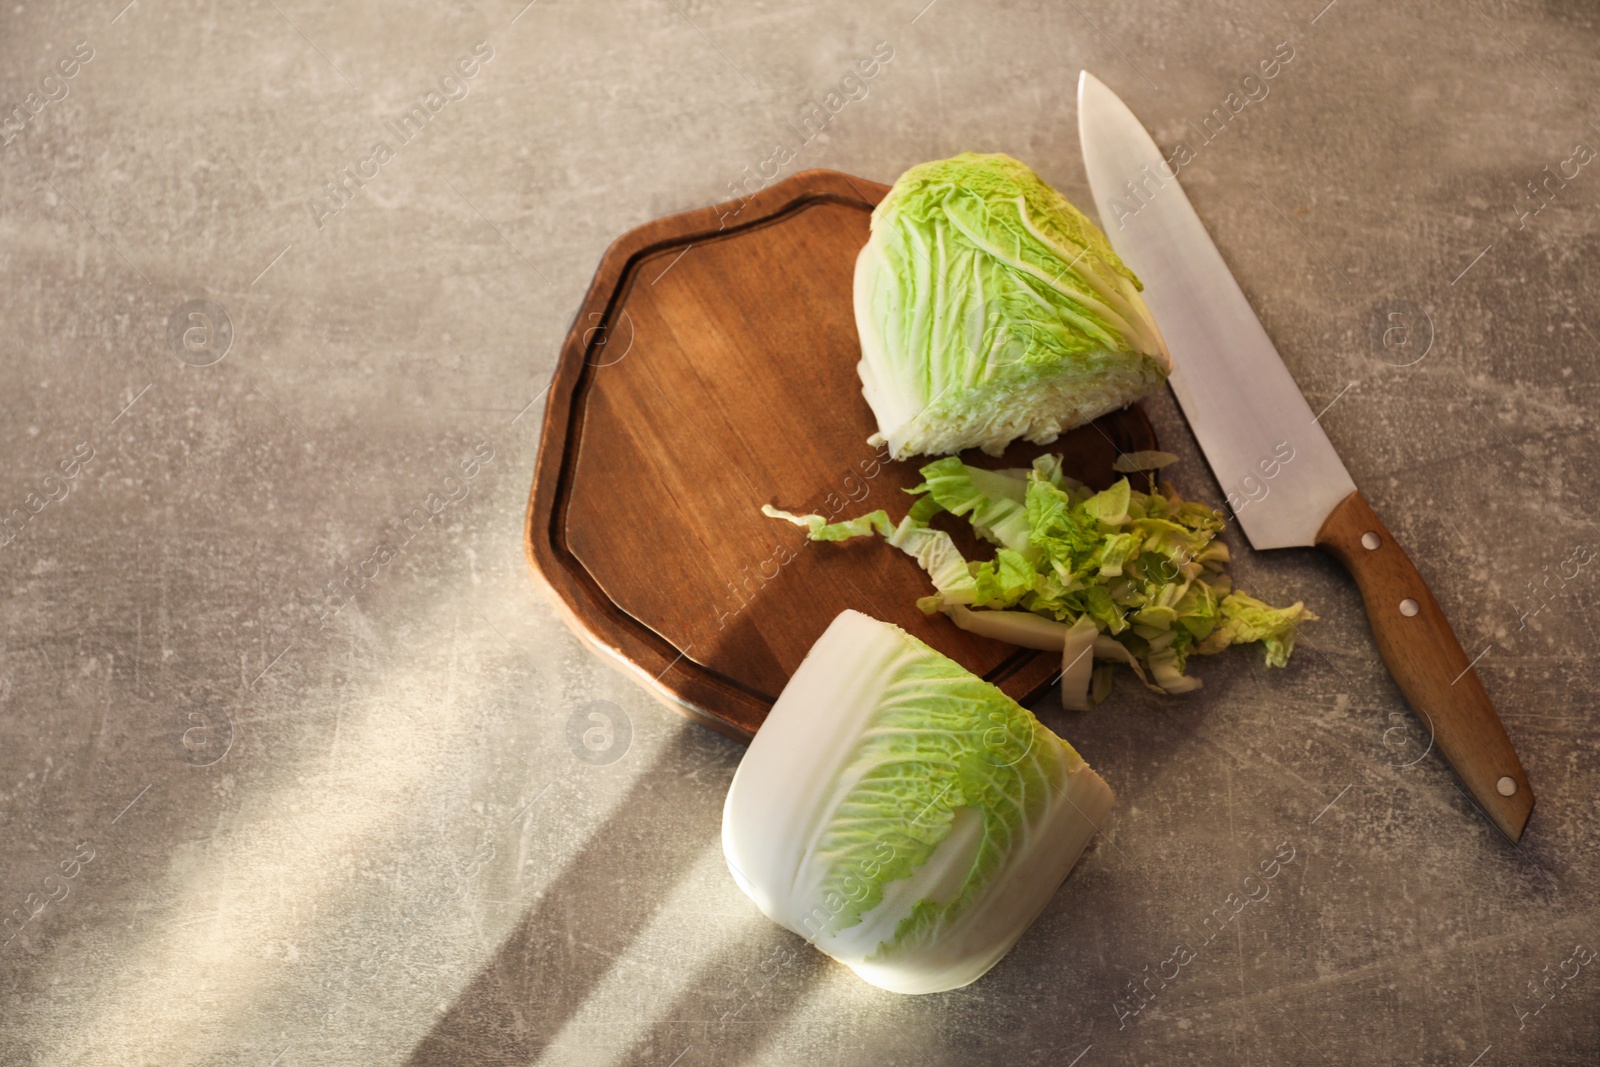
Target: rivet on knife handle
pixel 1428 662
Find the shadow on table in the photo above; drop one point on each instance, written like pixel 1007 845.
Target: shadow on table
pixel 587 919
pixel 732 1005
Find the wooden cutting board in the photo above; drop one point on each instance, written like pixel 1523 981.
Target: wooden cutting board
pixel 712 369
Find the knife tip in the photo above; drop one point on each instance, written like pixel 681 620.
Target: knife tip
pixel 1085 81
pixel 1095 97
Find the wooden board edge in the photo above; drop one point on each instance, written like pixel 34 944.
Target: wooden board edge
pixel 585 611
pixel 620 660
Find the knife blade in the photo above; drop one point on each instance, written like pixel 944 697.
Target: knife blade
pixel 1282 478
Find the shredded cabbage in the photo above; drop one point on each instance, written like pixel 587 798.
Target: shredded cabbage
pixel 1144 569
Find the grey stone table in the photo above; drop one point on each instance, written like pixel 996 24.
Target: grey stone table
pixel 285 766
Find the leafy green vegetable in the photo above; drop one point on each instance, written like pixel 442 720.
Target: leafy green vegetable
pixel 989 308
pixel 906 816
pixel 1144 569
pixel 1246 619
pixel 820 529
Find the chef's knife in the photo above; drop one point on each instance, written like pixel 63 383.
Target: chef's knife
pixel 1248 415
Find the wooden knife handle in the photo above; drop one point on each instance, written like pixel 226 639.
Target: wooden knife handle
pixel 1423 655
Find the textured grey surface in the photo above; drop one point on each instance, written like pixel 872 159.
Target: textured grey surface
pixel 321 836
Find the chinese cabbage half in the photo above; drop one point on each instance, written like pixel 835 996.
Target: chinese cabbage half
pixel 989 308
pixel 902 814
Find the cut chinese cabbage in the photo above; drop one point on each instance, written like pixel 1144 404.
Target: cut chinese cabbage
pixel 1145 570
pixel 902 814
pixel 989 309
